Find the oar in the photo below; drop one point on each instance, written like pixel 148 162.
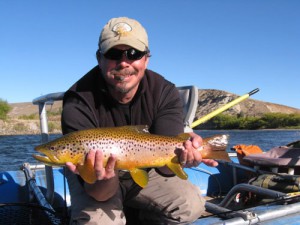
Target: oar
pixel 223 108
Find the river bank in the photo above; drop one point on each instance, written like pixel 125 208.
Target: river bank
pixel 24 119
pixel 26 127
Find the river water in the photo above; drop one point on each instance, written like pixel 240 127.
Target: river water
pixel 17 149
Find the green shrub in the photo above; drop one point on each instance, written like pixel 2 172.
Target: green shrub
pixel 20 127
pixel 54 113
pixel 267 121
pixel 4 109
pixel 280 120
pixel 52 127
pixel 29 117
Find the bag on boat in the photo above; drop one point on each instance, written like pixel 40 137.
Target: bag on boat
pixel 245 150
pixel 277 182
pixel 282 159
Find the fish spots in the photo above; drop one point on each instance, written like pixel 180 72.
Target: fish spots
pixel 130 147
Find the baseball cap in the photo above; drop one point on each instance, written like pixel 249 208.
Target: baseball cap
pixel 124 31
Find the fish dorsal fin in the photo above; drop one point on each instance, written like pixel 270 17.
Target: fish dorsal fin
pixel 184 136
pixel 142 128
pixel 139 176
pixel 137 128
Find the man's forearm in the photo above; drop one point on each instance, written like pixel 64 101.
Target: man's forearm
pixel 103 190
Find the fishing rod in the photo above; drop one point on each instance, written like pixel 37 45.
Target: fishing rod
pixel 223 108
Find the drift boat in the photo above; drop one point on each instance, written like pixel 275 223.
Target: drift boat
pixel 250 189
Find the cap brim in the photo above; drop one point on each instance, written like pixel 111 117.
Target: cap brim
pixel 112 42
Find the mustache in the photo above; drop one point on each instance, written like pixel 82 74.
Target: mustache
pixel 123 72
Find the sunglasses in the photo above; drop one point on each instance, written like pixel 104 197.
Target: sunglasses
pixel 131 54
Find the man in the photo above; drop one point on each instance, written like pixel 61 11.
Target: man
pixel 122 91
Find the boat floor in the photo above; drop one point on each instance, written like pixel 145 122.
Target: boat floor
pixel 29 213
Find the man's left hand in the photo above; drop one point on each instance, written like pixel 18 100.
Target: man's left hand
pixel 190 156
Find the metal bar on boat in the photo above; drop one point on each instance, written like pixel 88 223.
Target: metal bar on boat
pixel 189 97
pixel 247 187
pixel 226 213
pixel 272 214
pixel 45 138
pixel 239 166
pixel 42 102
pixel 36 190
pixel 49 98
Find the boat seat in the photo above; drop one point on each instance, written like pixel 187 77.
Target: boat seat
pixel 279 159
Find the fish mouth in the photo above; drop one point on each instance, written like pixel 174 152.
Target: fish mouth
pixel 42 158
pixel 53 160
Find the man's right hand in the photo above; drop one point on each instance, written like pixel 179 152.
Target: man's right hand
pixel 97 160
pixel 107 182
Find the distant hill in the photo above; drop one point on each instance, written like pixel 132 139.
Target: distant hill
pixel 27 108
pixel 209 100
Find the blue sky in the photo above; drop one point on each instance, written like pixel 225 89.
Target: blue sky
pixel 235 46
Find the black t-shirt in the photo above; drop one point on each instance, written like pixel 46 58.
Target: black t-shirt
pixel 157 104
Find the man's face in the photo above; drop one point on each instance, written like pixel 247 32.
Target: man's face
pixel 123 75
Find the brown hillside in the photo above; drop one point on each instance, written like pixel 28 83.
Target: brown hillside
pixel 27 108
pixel 210 100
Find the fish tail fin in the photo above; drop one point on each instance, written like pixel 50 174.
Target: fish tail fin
pixel 215 148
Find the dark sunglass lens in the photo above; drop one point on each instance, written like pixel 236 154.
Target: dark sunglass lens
pixel 117 54
pixel 133 54
pixel 114 54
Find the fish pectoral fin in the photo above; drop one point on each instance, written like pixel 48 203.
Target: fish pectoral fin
pixel 139 176
pixel 87 172
pixel 176 168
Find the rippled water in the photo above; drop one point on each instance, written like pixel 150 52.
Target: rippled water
pixel 17 149
pixel 265 139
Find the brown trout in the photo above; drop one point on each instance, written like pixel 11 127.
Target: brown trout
pixel 134 147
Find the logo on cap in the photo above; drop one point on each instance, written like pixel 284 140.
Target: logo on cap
pixel 122 29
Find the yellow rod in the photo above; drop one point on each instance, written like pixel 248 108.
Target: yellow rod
pixel 223 108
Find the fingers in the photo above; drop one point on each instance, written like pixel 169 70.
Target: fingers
pixel 190 156
pixel 103 167
pixel 98 164
pixel 182 155
pixel 107 172
pixel 196 140
pixel 110 166
pixel 210 162
pixel 71 167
